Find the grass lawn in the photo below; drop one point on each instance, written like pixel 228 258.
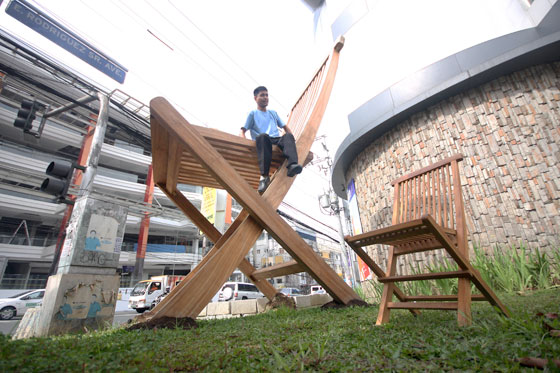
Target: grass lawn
pixel 312 340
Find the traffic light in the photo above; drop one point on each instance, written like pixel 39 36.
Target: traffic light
pixel 58 184
pixel 26 115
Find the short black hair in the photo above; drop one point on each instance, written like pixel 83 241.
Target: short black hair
pixel 259 89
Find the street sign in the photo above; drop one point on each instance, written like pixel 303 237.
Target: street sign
pixel 58 34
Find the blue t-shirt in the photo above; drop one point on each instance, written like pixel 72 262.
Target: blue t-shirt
pixel 259 122
pixel 92 243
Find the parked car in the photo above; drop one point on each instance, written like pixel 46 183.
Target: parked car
pixel 16 305
pixel 317 289
pixel 291 292
pixel 238 290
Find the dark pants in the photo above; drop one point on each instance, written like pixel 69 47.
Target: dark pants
pixel 264 150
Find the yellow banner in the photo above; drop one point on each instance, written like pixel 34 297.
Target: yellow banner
pixel 209 204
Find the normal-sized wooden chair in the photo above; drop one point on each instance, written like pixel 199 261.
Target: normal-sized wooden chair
pixel 428 214
pixel 183 153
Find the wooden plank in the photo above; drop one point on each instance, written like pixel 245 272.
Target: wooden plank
pixel 401 226
pixel 283 269
pixel 428 168
pixel 210 231
pixel 418 246
pixel 441 298
pixel 425 276
pixel 376 269
pixel 476 278
pixel 448 306
pixel 159 140
pixel 173 164
pixel 388 290
pixel 202 284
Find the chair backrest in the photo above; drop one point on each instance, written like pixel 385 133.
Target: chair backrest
pixel 310 98
pixel 434 190
pixel 302 108
pixel 176 163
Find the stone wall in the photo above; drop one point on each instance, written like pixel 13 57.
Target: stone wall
pixel 508 131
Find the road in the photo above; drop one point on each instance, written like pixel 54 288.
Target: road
pixel 9 327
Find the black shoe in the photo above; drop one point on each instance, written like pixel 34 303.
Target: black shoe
pixel 294 169
pixel 263 184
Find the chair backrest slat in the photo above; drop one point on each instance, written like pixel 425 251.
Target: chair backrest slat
pixel 302 108
pixel 432 190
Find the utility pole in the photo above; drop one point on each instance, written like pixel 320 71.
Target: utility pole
pixel 83 292
pixel 330 205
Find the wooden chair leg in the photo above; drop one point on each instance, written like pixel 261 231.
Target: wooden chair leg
pixel 388 289
pixel 464 302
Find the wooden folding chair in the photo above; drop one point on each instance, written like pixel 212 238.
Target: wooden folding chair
pixel 183 153
pixel 428 214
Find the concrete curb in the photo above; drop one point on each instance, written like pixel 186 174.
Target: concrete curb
pixel 240 308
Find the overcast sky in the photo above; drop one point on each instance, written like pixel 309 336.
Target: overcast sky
pixel 205 57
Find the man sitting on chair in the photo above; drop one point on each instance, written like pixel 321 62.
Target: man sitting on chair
pixel 263 125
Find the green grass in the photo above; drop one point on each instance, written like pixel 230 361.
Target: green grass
pixel 512 269
pixel 309 340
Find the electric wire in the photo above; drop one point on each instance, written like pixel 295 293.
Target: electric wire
pixel 225 53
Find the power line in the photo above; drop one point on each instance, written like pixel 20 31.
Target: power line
pixel 223 51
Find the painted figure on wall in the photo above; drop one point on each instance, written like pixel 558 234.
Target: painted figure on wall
pixel 92 242
pixel 94 307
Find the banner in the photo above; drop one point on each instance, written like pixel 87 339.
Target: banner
pixel 209 204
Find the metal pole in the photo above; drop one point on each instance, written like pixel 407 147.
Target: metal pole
pixel 97 142
pixel 348 263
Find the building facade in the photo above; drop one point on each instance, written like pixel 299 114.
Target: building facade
pixel 485 86
pixel 30 219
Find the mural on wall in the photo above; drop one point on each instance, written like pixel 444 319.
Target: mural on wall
pixel 102 234
pixel 365 272
pixel 94 234
pixel 85 301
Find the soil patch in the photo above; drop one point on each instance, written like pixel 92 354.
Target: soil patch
pixel 352 303
pixel 165 322
pixel 280 300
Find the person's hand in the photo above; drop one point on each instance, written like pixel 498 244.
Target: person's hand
pixel 242 133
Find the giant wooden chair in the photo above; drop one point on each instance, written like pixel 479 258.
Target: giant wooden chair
pixel 183 153
pixel 428 214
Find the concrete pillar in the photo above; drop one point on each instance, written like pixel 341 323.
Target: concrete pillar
pixel 83 293
pixel 3 264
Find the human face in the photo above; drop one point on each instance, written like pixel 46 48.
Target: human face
pixel 262 100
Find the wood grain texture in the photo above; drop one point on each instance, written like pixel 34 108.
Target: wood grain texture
pixel 217 159
pixel 428 214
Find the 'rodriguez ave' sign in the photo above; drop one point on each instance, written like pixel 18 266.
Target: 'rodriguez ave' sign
pixel 44 25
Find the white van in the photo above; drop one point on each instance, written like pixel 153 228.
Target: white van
pixel 237 291
pixel 317 289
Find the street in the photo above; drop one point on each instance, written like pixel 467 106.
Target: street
pixel 9 327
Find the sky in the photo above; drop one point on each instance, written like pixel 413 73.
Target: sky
pixel 205 57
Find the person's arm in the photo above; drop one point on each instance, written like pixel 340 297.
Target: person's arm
pixel 280 123
pixel 247 126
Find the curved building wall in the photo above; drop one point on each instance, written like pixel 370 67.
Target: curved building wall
pixel 508 131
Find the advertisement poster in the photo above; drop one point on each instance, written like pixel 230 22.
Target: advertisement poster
pixel 102 234
pixel 209 204
pixel 365 272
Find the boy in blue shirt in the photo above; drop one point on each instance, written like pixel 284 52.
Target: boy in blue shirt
pixel 263 125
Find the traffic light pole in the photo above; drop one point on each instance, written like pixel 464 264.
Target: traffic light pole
pixel 76 180
pixel 83 293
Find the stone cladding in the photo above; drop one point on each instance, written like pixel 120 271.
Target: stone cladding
pixel 508 131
